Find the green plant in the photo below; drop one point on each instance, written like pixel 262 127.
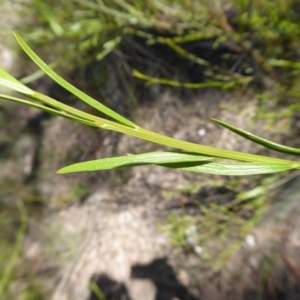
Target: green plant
pixel 261 30
pixel 14 256
pixel 10 252
pixel 197 158
pixel 217 230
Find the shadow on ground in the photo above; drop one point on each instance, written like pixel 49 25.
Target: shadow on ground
pixel 158 271
pixel 107 288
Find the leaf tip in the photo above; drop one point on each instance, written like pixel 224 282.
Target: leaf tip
pixel 215 120
pixel 60 171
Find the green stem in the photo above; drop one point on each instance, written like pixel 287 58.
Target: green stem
pixel 191 147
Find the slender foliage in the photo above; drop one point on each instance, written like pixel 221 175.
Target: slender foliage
pixel 196 158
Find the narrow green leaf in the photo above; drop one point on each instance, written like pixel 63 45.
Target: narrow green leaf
pixel 165 81
pixel 253 193
pixel 109 46
pixel 134 160
pixel 237 169
pixel 36 96
pixel 8 81
pixel 195 148
pixel 48 109
pixel 258 140
pixel 11 262
pixel 72 89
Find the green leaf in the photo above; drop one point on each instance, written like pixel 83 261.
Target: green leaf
pixel 258 140
pixel 109 46
pixel 72 89
pixel 48 109
pixel 180 161
pixel 65 111
pixel 157 158
pixel 265 164
pixel 7 81
pixel 237 169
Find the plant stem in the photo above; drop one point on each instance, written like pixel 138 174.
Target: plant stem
pixel 187 146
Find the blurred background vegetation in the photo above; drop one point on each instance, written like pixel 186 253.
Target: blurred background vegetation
pixel 241 45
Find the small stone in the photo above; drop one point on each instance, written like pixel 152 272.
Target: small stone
pixel 201 132
pixel 250 240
